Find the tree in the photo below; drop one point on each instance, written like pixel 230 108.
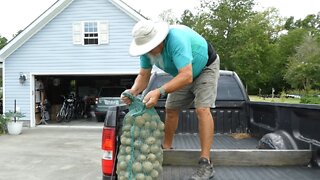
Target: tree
pixel 304 66
pixel 217 22
pixel 256 45
pixel 243 38
pixel 254 54
pixel 3 41
pixel 168 16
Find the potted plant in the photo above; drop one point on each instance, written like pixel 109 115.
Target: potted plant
pixel 14 126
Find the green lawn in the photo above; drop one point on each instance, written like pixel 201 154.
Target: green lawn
pixel 275 100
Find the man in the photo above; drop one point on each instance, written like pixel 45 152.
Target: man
pixel 186 55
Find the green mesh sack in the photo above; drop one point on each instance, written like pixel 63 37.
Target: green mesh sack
pixel 140 154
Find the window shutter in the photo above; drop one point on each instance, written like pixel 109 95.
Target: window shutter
pixel 77 33
pixel 103 33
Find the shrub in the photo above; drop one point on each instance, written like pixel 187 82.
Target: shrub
pixel 309 99
pixel 3 123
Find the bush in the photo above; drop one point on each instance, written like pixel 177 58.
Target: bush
pixel 3 123
pixel 309 99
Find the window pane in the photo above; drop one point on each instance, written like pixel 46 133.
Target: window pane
pixel 228 89
pixel 90 41
pixel 90 33
pixel 90 27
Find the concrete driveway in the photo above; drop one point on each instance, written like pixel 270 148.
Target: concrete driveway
pixel 52 152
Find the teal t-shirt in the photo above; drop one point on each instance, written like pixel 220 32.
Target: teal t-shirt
pixel 182 46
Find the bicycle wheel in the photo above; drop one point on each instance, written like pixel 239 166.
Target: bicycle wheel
pixel 69 114
pixel 61 115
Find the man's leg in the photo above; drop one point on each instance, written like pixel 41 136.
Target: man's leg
pixel 205 121
pixel 206 128
pixel 205 91
pixel 171 124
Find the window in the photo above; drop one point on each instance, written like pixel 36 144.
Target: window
pixel 228 89
pixel 90 32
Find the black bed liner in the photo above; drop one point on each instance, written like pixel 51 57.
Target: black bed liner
pixel 247 173
pixel 221 141
pixel 235 146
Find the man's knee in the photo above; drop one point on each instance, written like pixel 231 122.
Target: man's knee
pixel 203 110
pixel 204 114
pixel 171 113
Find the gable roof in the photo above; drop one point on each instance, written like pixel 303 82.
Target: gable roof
pixel 47 16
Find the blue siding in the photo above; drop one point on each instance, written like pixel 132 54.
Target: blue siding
pixel 52 51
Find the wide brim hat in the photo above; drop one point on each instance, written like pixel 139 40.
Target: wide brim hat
pixel 146 36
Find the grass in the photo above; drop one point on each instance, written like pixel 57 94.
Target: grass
pixel 275 100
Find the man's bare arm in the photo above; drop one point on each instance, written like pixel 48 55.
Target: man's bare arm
pixel 141 81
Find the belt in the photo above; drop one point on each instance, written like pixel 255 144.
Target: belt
pixel 212 55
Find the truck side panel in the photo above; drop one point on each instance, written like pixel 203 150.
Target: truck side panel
pixel 301 121
pixel 229 117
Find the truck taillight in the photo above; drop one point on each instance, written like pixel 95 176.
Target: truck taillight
pixel 108 146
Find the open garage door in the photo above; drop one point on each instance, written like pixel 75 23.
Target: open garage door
pixel 51 91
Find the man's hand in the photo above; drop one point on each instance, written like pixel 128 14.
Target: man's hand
pixel 125 99
pixel 151 98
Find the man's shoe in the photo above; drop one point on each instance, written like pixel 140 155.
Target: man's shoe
pixel 164 148
pixel 205 170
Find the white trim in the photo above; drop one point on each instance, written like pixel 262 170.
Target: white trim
pixel 34 27
pixel 124 7
pixel 3 89
pixel 77 34
pixel 103 32
pixel 32 102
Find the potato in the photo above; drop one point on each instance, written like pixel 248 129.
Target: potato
pixel 139 121
pixel 154 174
pixel 145 149
pixel 147 166
pixel 140 176
pixel 151 140
pixel 137 167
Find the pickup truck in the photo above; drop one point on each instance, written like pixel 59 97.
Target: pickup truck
pixel 253 140
pixel 107 96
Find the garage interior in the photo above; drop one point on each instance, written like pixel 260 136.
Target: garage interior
pixel 50 91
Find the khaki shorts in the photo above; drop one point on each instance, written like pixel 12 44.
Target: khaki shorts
pixel 202 92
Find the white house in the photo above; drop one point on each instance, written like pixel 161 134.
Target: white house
pixel 75 45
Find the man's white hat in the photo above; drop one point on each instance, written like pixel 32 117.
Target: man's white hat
pixel 146 36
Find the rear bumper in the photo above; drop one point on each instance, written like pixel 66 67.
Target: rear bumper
pixel 106 177
pixel 100 113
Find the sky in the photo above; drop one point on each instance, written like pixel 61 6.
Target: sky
pixel 15 15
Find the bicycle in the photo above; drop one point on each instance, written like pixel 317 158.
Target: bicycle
pixel 67 110
pixel 45 116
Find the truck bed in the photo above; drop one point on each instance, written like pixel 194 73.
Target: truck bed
pixel 221 141
pixel 247 173
pixel 236 157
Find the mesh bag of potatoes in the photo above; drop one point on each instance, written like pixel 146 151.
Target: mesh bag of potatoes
pixel 140 154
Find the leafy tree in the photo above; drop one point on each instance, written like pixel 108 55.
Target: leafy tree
pixel 3 41
pixel 220 21
pixel 304 66
pixel 168 16
pixel 256 45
